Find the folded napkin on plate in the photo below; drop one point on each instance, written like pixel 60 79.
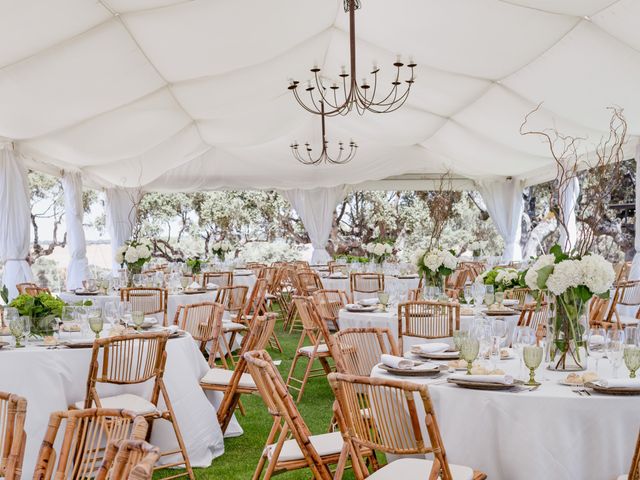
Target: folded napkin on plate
pixel 194 286
pixel 503 379
pixel 619 382
pixel 368 302
pixel 172 329
pixel 435 347
pixel 212 286
pixel 396 362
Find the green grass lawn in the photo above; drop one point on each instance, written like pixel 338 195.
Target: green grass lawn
pixel 242 453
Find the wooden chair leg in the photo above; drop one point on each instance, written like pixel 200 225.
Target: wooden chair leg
pixel 176 430
pixel 275 343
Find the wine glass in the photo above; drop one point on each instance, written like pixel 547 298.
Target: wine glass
pixel 498 336
pixel 477 292
pixel 597 345
pixel 631 355
pixel 137 318
pixel 18 327
pixel 383 298
pixel 110 311
pixel 469 348
pixel 458 336
pixel 532 355
pixel 184 282
pixel 138 280
pixel 96 322
pixel 467 294
pixel 523 337
pixel 8 314
pixel 489 296
pixel 615 349
pixel 499 297
pixel 124 311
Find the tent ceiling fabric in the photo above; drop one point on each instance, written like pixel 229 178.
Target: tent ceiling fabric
pixel 191 94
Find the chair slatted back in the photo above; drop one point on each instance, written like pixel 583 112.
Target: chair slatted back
pixel 366 282
pixel 520 294
pixel 222 279
pixel 308 282
pixel 393 410
pixel 533 314
pixel 129 460
pixel 313 326
pixel 22 286
pixel 35 291
pixel 149 300
pixel 85 435
pixel 201 320
pixel 13 412
pixel 427 319
pixel 329 303
pixel 233 298
pixel 256 301
pixel 358 350
pixel 337 268
pixel 281 406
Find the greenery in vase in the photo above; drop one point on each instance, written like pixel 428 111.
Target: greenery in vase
pixel 134 254
pixel 434 265
pixel 380 250
pixel 195 264
pixel 572 280
pixel 221 248
pixel 39 307
pixel 500 278
pixel 352 258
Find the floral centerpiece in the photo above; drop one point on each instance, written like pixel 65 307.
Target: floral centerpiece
pixel 500 278
pixel 221 248
pixel 435 265
pixel 572 281
pixel 42 309
pixel 379 250
pixel 134 254
pixel 476 248
pixel 195 264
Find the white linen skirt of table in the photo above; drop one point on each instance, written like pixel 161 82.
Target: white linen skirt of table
pixel 173 300
pixel 51 380
pixel 247 280
pixel 550 433
pixel 389 319
pixel 402 284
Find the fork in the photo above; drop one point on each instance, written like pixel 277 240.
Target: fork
pixel 577 391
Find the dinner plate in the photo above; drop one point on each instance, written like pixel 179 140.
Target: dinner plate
pixel 242 273
pixel 500 313
pixel 406 277
pixel 360 308
pixel 337 277
pixel 448 355
pixel 484 385
pixel 193 292
pixel 77 344
pixel 612 390
pixel 3 344
pixel 87 294
pixel 403 372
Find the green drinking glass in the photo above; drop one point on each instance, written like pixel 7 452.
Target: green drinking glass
pixel 469 348
pixel 631 357
pixel 532 356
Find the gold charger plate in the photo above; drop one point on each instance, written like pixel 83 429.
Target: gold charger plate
pixel 500 313
pixel 194 292
pixel 448 355
pixel 83 344
pixel 484 385
pixel 414 373
pixel 612 391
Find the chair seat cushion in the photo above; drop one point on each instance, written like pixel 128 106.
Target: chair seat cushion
pixel 233 326
pixel 416 468
pixel 322 348
pixel 628 320
pixel 221 376
pixel 325 444
pixel 126 401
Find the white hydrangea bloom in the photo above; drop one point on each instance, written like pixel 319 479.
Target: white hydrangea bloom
pixel 120 254
pixel 389 249
pixel 566 274
pixel 143 251
pixel 531 278
pixel 598 274
pixel 379 249
pixel 450 261
pixel 216 246
pixel 131 255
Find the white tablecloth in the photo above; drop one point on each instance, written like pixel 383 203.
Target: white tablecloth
pixel 247 280
pixel 389 319
pixel 52 380
pixel 173 300
pixel 549 433
pixel 401 284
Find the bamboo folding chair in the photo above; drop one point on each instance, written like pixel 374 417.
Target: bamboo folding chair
pixel 315 332
pixel 22 286
pixel 35 291
pixel 534 314
pixel 357 350
pixel 85 436
pixel 233 298
pixel 427 319
pixel 634 471
pixel 131 360
pixel 627 294
pixel 303 450
pixel 129 460
pixel 221 279
pixel 520 293
pixel 366 284
pixel 336 268
pixel 13 438
pixel 149 300
pixel 394 411
pixel 308 283
pixel 302 264
pixel 598 309
pixel 329 303
pixel 200 320
pixel 237 382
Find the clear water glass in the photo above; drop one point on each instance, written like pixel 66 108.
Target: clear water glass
pixel 615 349
pixel 383 298
pixel 597 345
pixel 137 318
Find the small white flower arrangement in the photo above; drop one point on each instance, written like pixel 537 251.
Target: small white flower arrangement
pixel 134 254
pixel 477 247
pixel 221 248
pixel 436 264
pixel 501 278
pixel 379 250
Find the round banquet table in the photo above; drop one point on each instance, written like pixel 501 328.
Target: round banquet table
pixel 173 300
pixel 244 277
pixel 51 380
pixel 390 282
pixel 548 433
pixel 389 319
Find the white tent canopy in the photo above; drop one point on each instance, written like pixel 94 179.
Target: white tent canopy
pixel 177 95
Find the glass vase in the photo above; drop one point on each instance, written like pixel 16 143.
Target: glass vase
pixel 566 348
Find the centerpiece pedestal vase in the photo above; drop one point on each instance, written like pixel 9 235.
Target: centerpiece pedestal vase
pixel 566 348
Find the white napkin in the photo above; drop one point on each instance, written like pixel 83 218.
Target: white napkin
pixel 172 329
pixel 503 379
pixel 368 302
pixel 212 286
pixel 435 347
pixel 337 275
pixel 396 362
pixel 194 286
pixel 619 382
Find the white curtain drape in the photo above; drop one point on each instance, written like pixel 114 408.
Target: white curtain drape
pixel 121 216
pixel 315 208
pixel 634 273
pixel 15 217
pixel 504 203
pixel 569 200
pixel 78 269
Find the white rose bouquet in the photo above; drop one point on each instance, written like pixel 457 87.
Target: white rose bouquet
pixel 435 265
pixel 501 278
pixel 477 247
pixel 572 281
pixel 221 248
pixel 134 254
pixel 379 250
